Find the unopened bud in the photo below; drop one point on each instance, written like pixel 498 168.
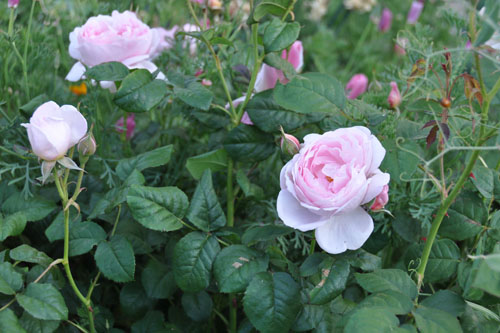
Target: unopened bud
pixel 445 102
pixel 214 4
pixel 289 144
pixel 206 82
pixel 394 98
pixel 87 145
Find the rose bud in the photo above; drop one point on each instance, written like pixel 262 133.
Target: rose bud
pixel 445 102
pixel 381 199
pixel 119 126
pixel 206 83
pixel 12 3
pixel 385 20
pixel 415 11
pixel 53 129
pixel 394 98
pixel 289 144
pixel 356 86
pixel 325 185
pixel 87 145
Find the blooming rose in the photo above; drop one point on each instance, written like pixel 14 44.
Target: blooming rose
pixel 52 130
pixel 325 184
pixel 120 37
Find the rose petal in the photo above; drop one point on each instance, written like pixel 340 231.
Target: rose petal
pixel 294 215
pixel 76 72
pixel 76 122
pixel 376 184
pixel 345 231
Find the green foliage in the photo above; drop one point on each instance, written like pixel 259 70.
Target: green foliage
pixel 109 71
pixel 43 301
pixel 115 259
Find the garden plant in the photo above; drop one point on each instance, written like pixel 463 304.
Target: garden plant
pixel 250 166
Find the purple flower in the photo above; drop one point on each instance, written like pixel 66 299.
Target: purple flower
pixel 385 20
pixel 415 11
pixel 12 3
pixel 356 86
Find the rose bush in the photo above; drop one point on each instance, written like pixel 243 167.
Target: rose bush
pixel 325 184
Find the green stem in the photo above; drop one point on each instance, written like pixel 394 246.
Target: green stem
pixel 8 151
pixel 230 194
pixel 288 10
pixel 232 313
pixel 28 32
pixel 255 72
pixel 83 161
pixel 12 16
pixel 360 43
pixel 8 304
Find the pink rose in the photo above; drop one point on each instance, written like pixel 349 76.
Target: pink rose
pixel 120 37
pixel 268 76
pixel 356 86
pixel 325 184
pixel 381 199
pixel 119 126
pixel 12 3
pixel 53 130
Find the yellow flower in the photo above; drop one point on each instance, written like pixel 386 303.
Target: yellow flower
pixel 79 90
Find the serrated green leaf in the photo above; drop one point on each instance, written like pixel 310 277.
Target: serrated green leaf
pixel 247 143
pixel 390 300
pixel 272 301
pixel 34 209
pixel 205 211
pixel 261 233
pixel 271 7
pixel 139 92
pixel 10 280
pixel 445 300
pixel 157 280
pixel 197 306
pixel 309 318
pixel 236 265
pixel 371 320
pixel 249 189
pixel 43 301
pixel 153 321
pixel 115 259
pixel 194 255
pixel 312 264
pixel 488 274
pixel 214 160
pixel 435 321
pixel 310 93
pixel 84 236
pixel 195 95
pixel 55 231
pixel 154 158
pixel 9 322
pixel 158 208
pixel 268 116
pixel 33 325
pixel 333 282
pixel 12 225
pixel 108 71
pixel 387 279
pixel 32 105
pixel 280 35
pixel 27 253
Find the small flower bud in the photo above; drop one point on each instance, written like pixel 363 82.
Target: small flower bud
pixel 87 145
pixel 385 20
pixel 445 102
pixel 12 3
pixel 356 86
pixel 394 98
pixel 206 82
pixel 214 4
pixel 289 144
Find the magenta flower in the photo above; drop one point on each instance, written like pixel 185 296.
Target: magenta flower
pixel 385 20
pixel 356 86
pixel 130 125
pixel 394 98
pixel 12 3
pixel 415 11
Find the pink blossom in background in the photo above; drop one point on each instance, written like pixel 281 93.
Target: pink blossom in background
pixel 12 3
pixel 468 45
pixel 356 86
pixel 120 37
pixel 324 186
pixel 198 1
pixel 130 125
pixel 394 98
pixel 415 11
pixel 245 119
pixel 381 199
pixel 385 20
pixel 54 129
pixel 206 82
pixel 268 76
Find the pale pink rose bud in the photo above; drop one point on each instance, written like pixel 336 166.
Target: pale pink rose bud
pixel 198 72
pixel 121 37
pixel 381 199
pixel 214 4
pixel 394 98
pixel 289 144
pixel 415 11
pixel 12 3
pixel 268 76
pixel 54 129
pixel 385 20
pixel 356 86
pixel 206 83
pixel 87 145
pixel 130 125
pixel 325 185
